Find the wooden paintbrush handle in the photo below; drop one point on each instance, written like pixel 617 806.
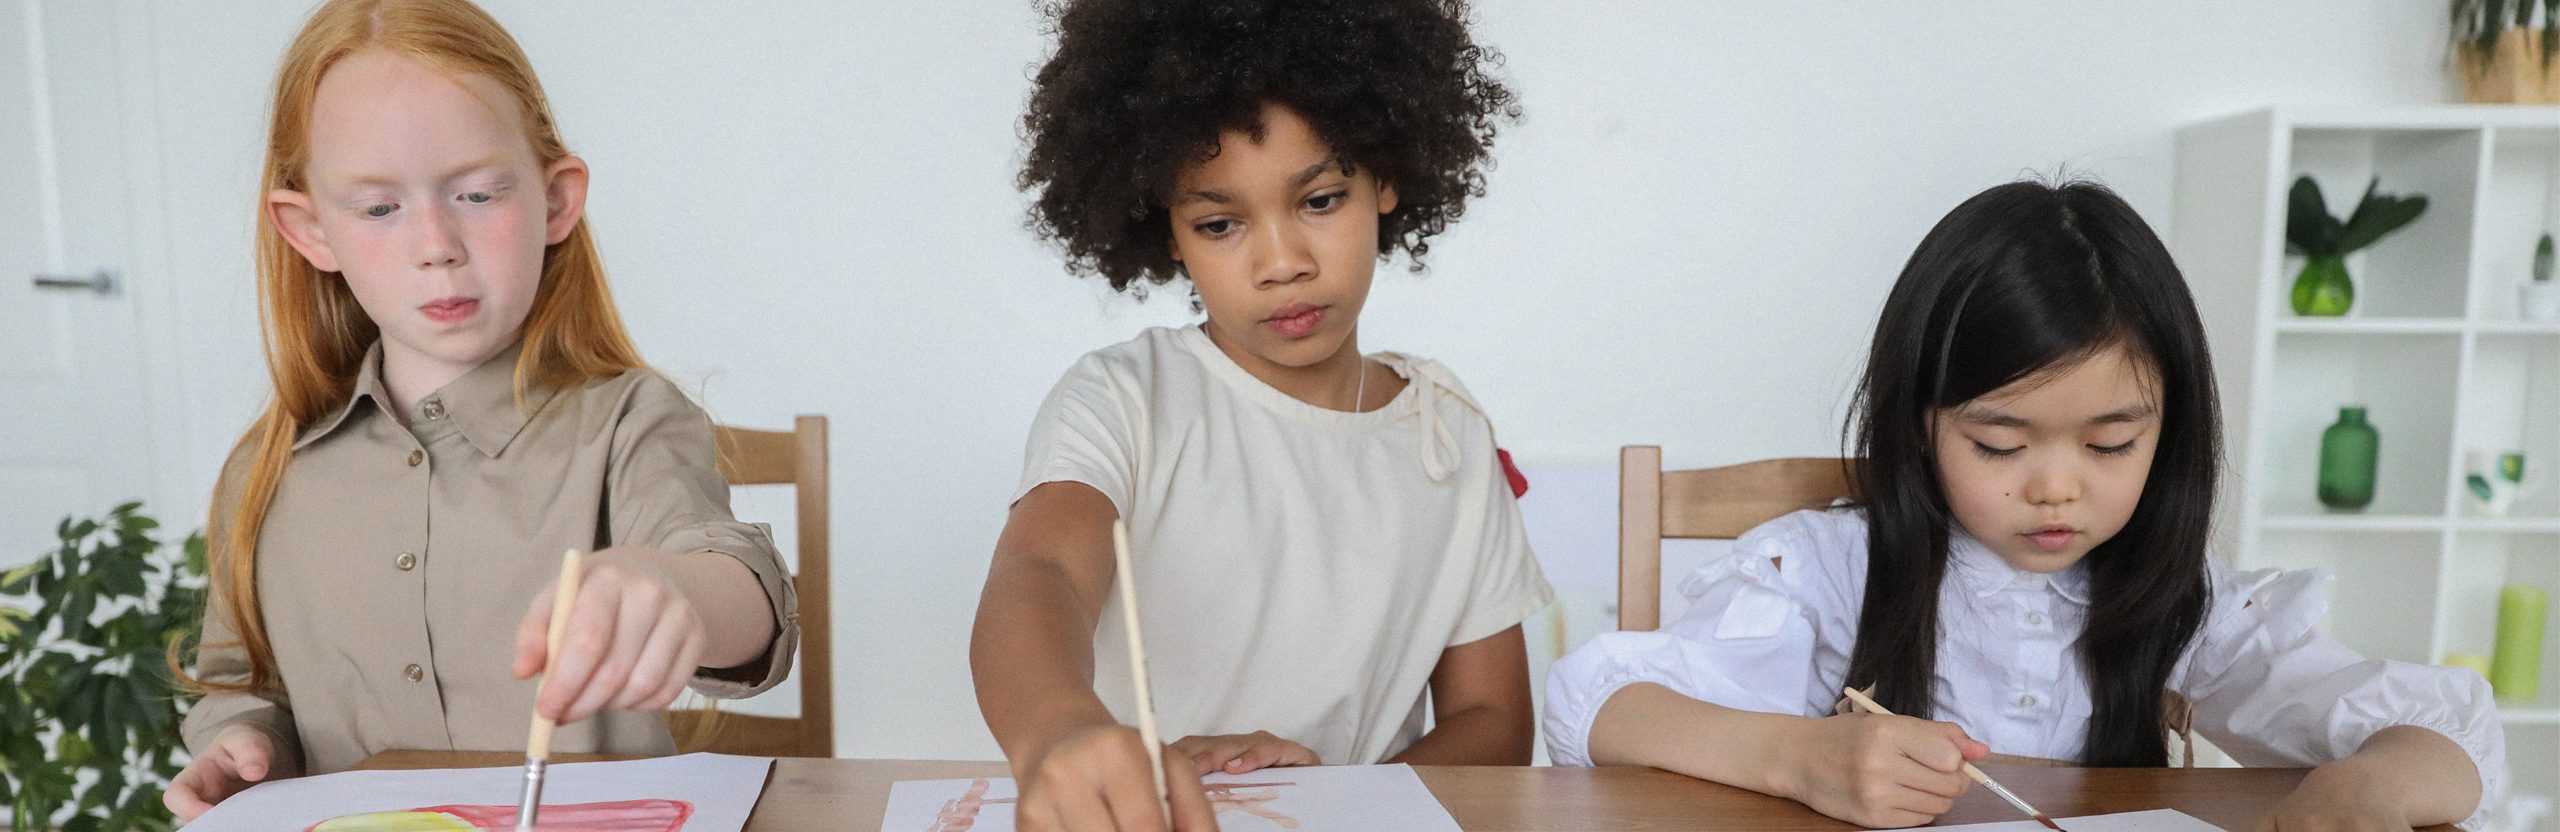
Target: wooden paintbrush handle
pixel 538 743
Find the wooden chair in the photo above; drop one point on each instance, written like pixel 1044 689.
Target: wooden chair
pixel 1703 504
pixel 797 458
pixel 1722 504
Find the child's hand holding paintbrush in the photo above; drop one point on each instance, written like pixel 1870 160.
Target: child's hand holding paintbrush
pixel 1970 749
pixel 1877 771
pixel 643 622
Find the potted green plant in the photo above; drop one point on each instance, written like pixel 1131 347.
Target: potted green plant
pixel 2324 241
pixel 2505 50
pixel 2540 297
pixel 91 708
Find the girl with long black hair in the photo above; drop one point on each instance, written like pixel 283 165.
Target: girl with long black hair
pixel 2036 445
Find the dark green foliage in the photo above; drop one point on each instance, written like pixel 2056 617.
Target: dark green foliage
pixel 2310 231
pixel 79 695
pixel 2477 25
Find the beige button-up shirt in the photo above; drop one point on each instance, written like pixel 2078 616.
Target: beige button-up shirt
pixel 397 562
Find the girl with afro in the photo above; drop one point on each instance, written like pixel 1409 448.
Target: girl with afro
pixel 1324 540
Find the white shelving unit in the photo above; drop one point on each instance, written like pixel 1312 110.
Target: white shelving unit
pixel 2434 349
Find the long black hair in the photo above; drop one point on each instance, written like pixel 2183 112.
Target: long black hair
pixel 2022 279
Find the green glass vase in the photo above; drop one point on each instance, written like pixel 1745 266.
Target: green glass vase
pixel 2323 289
pixel 2349 451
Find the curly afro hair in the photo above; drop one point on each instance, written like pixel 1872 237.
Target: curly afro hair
pixel 1140 89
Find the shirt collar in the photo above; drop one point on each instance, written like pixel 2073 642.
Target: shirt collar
pixel 481 404
pixel 1985 574
pixel 368 386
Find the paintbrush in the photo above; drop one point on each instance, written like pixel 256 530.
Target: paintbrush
pixel 1870 706
pixel 537 745
pixel 1138 663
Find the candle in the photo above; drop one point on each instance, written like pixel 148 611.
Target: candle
pixel 2516 672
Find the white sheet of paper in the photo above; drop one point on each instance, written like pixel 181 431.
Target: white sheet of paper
pixel 2156 820
pixel 1316 798
pixel 691 792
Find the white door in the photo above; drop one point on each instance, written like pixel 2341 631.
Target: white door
pixel 74 437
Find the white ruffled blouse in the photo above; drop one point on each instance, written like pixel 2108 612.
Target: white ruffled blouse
pixel 1770 629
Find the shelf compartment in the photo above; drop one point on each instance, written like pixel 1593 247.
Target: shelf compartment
pixel 2518 204
pixel 2403 382
pixel 2423 269
pixel 2511 402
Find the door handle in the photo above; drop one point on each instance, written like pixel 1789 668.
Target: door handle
pixel 102 281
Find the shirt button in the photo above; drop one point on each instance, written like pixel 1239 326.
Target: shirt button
pixel 416 457
pixel 416 673
pixel 2035 620
pixel 2027 701
pixel 405 561
pixel 433 410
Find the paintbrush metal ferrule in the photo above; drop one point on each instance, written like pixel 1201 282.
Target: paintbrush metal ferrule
pixel 531 802
pixel 2015 800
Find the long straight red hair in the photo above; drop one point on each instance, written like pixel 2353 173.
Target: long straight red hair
pixel 315 334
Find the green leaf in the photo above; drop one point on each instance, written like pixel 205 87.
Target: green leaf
pixel 15 581
pixel 2308 228
pixel 73 749
pixel 2376 216
pixel 2550 31
pixel 120 575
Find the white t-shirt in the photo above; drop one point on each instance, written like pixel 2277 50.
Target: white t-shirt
pixel 1299 569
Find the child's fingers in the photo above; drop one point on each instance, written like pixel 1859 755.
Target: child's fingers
pixel 186 794
pixel 244 754
pixel 688 662
pixel 582 647
pixel 1191 809
pixel 1204 753
pixel 1932 748
pixel 1083 812
pixel 1971 749
pixel 1267 751
pixel 533 633
pixel 1928 788
pixel 635 615
pixel 1132 799
pixel 657 660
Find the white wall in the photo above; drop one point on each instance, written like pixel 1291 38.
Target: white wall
pixel 809 208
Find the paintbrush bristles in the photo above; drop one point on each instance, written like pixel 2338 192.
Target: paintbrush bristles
pixel 1128 581
pixel 538 743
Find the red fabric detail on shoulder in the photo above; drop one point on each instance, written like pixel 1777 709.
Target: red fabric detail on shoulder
pixel 1511 473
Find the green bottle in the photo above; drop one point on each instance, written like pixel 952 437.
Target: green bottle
pixel 2348 453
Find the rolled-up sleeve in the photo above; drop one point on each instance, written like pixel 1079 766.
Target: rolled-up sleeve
pixel 2273 690
pixel 1745 642
pixel 666 493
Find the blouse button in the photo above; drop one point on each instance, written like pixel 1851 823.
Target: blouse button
pixel 433 410
pixel 416 673
pixel 2035 620
pixel 406 561
pixel 416 457
pixel 2027 701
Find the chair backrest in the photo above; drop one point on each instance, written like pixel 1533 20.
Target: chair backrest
pixel 797 458
pixel 1703 504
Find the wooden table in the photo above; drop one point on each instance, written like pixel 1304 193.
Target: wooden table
pixel 841 795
